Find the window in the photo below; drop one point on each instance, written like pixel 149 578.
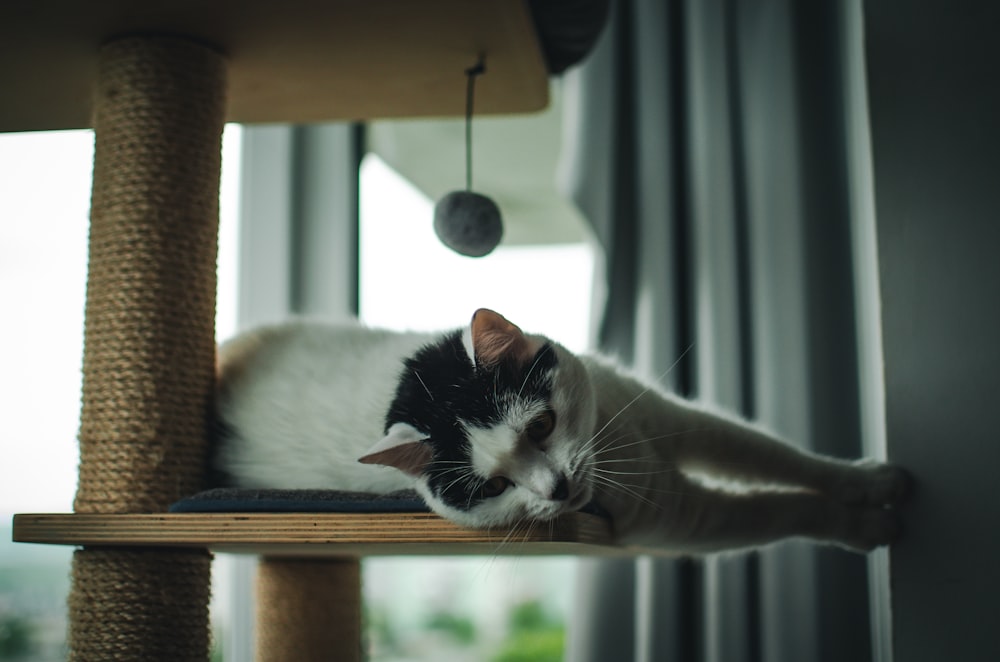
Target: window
pixel 467 607
pixel 44 206
pixel 421 605
pixel 410 280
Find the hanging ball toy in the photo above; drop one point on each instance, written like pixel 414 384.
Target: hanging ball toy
pixel 466 222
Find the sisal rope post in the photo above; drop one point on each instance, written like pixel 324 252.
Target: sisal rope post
pixel 140 604
pixel 149 357
pixel 309 610
pixel 149 342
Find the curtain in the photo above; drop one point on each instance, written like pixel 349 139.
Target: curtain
pixel 708 145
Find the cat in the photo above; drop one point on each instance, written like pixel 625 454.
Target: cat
pixel 494 427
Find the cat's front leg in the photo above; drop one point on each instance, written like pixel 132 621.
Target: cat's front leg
pixel 699 519
pixel 728 449
pixel 870 483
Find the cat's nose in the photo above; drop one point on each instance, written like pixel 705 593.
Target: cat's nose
pixel 561 491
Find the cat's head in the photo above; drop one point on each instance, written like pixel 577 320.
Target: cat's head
pixel 494 424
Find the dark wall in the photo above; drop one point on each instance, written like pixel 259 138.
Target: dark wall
pixel 934 93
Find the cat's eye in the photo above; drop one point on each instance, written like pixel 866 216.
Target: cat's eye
pixel 495 487
pixel 541 426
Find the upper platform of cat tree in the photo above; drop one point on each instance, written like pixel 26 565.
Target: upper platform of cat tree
pixel 291 61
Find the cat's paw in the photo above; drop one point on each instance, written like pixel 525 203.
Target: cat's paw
pixel 872 527
pixel 871 483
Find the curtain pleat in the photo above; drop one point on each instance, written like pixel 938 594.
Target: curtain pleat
pixel 707 149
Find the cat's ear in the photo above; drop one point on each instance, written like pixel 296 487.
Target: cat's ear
pixel 402 447
pixel 495 339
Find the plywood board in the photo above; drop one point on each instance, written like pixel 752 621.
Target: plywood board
pixel 320 534
pixel 291 61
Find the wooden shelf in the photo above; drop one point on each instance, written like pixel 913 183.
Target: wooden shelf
pixel 317 534
pixel 290 61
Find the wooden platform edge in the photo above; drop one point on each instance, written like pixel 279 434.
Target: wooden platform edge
pixel 317 534
pixel 296 61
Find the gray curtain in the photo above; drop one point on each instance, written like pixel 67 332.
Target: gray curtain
pixel 708 145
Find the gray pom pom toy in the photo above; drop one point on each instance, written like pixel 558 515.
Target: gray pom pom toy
pixel 468 223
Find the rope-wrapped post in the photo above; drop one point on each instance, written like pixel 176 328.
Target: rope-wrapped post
pixel 149 342
pixel 139 604
pixel 308 610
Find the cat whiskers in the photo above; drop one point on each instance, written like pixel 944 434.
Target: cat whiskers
pixel 635 491
pixel 534 365
pixel 641 393
pixel 476 483
pixel 512 530
pixel 420 379
pixel 465 474
pixel 600 464
pixel 604 444
pixel 613 479
pixel 600 442
pixel 605 447
pixel 610 480
pixel 597 463
pixel 625 489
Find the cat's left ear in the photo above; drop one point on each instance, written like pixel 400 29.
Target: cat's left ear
pixel 494 339
pixel 402 447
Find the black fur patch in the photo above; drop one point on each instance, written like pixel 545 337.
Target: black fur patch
pixel 440 386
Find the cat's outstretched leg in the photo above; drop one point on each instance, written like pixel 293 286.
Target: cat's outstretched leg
pixel 868 482
pixel 703 520
pixel 743 453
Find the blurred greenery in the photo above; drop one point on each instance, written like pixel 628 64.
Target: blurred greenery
pixel 534 635
pixel 531 616
pixel 459 628
pixel 16 637
pixel 379 631
pixel 539 646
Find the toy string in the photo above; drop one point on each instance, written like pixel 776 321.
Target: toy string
pixel 471 73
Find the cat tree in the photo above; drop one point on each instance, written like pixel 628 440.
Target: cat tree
pixel 157 81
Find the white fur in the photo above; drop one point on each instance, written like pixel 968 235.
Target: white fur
pixel 307 425
pixel 657 445
pixel 635 449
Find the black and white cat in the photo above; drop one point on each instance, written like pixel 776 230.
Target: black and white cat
pixel 494 427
